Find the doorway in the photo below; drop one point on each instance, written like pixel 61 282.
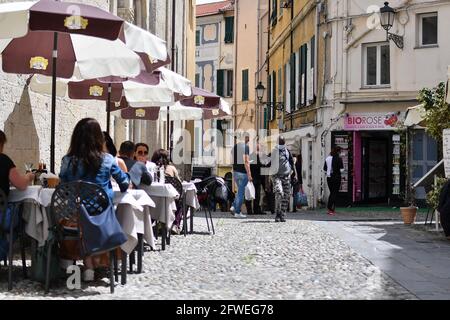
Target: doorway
pixel 375 169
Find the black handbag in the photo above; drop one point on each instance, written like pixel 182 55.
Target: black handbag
pixel 100 233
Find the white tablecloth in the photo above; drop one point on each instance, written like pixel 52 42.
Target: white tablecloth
pixel 133 213
pixel 191 195
pixel 132 209
pixel 164 196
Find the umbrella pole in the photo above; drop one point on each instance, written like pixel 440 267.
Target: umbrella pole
pixel 168 129
pixel 53 121
pixel 108 109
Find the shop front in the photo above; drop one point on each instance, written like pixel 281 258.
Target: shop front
pixel 372 157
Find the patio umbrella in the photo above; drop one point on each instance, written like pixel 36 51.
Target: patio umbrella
pixel 200 98
pixel 36 33
pixel 151 49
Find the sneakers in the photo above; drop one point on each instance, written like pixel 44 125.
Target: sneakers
pixel 277 219
pixel 331 213
pixel 240 215
pixel 232 210
pixel 282 219
pixel 88 275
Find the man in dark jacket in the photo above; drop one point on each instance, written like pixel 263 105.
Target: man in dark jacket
pixel 255 169
pixel 137 170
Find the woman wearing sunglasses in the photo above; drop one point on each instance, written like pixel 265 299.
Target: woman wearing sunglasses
pixel 141 154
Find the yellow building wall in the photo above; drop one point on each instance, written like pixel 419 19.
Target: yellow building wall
pixel 280 46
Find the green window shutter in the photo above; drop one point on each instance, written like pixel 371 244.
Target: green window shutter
pixel 303 74
pixel 197 38
pixel 274 16
pixel 292 80
pixel 220 74
pixel 274 95
pixel 245 85
pixel 229 29
pixel 197 80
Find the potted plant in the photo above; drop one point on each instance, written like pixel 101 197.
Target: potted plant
pixel 409 212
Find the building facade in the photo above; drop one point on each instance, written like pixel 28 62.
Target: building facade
pixel 374 82
pixel 215 73
pixel 296 72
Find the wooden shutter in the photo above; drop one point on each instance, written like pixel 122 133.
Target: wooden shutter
pixel 313 67
pixel 304 74
pixel 220 76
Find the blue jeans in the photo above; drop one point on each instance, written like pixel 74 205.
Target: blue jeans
pixel 241 181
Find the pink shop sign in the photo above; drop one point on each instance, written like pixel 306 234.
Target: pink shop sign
pixel 370 121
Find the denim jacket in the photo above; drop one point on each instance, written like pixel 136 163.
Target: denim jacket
pixel 108 168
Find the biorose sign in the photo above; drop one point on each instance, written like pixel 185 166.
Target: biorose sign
pixel 371 121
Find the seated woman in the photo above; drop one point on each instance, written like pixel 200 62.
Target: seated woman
pixel 161 159
pixel 141 151
pixel 87 161
pixel 9 173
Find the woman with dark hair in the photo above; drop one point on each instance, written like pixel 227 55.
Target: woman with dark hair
pixel 111 149
pixel 141 152
pixel 161 159
pixel 9 173
pixel 87 161
pixel 333 167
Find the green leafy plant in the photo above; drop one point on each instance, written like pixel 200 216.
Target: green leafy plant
pixel 437 115
pixel 433 195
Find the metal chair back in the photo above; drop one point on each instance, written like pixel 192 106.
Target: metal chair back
pixel 68 197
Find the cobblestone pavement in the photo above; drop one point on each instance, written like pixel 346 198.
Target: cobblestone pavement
pixel 252 258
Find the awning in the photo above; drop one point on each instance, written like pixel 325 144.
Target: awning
pixel 415 116
pixel 293 138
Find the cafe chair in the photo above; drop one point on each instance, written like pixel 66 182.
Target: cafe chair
pixel 65 209
pixel 15 225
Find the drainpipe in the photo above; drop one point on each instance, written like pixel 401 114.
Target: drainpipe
pixel 257 77
pixel 268 64
pixel 236 35
pixel 290 56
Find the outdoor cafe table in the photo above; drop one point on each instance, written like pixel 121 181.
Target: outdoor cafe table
pixel 164 196
pixel 190 201
pixel 132 210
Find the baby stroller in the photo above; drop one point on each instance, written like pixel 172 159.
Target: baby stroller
pixel 212 191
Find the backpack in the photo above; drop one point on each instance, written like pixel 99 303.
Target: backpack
pixel 285 159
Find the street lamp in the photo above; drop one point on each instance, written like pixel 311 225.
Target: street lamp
pixel 387 17
pixel 260 89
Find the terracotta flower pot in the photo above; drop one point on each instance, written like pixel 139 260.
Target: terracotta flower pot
pixel 408 214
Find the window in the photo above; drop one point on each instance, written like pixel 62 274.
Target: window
pixel 287 87
pixel 197 80
pixel 303 74
pixel 245 85
pixel 428 29
pixel 225 83
pixel 197 38
pixel 274 16
pixel 229 29
pixel 377 64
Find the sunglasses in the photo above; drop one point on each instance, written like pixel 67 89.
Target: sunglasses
pixel 143 153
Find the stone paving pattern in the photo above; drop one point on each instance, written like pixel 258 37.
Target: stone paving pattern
pixel 252 258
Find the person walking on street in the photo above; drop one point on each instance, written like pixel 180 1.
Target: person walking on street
pixel 241 174
pixel 333 167
pixel 253 207
pixel 282 167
